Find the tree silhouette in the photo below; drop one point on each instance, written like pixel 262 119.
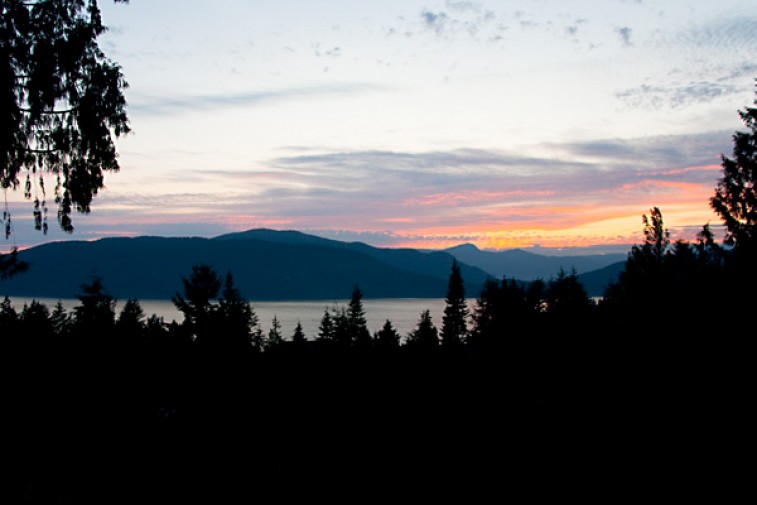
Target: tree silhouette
pixel 566 297
pixel 454 321
pixel 358 329
pixel 62 104
pixel 298 337
pixel 131 319
pixel 387 337
pixel 326 327
pixel 95 315
pixel 60 319
pixel 36 322
pixel 425 335
pixel 196 304
pixel 238 322
pixel 735 199
pixel 275 338
pixel 501 309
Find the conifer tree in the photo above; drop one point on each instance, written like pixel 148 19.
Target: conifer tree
pixel 326 327
pixel 425 335
pixel 358 329
pixel 60 319
pixel 298 337
pixel 735 199
pixel 95 315
pixel 454 321
pixel 274 334
pixel 131 319
pixel 197 305
pixel 387 338
pixel 237 319
pixel 343 329
pixel 62 105
pixel 35 318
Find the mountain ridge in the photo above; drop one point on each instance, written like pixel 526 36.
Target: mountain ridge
pixel 266 264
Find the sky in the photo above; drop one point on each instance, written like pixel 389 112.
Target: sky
pixel 546 123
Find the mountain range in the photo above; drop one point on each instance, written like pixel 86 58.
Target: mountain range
pixel 281 265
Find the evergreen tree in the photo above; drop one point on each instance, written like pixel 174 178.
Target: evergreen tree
pixel 95 315
pixel 237 319
pixel 425 336
pixel 387 338
pixel 343 329
pixel 35 320
pixel 326 327
pixel 8 317
pixel 566 297
pixel 486 314
pixel 642 282
pixel 454 321
pixel 155 327
pixel 60 319
pixel 358 329
pixel 131 320
pixel 274 335
pixel 197 304
pixel 735 199
pixel 62 104
pixel 536 297
pixel 298 337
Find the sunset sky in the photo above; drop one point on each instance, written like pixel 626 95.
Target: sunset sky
pixel 421 123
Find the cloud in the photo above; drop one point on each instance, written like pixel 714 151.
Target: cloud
pixel 676 96
pixel 468 19
pixel 464 6
pixel 734 35
pixel 554 188
pixel 459 162
pixel 435 21
pixel 162 105
pixel 624 33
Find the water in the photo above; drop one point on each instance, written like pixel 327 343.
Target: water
pixel 402 312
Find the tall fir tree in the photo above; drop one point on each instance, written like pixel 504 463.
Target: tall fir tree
pixel 275 338
pixel 735 199
pixel 455 319
pixel 326 327
pixel 358 326
pixel 237 319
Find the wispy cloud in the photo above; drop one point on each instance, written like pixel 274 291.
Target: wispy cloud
pixel 675 96
pixel 624 32
pixel 727 34
pixel 162 105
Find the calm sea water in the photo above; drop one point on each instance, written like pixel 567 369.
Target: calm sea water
pixel 402 312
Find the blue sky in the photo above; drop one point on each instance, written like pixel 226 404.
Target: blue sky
pixel 421 123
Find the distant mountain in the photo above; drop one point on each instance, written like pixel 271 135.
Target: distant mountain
pixel 267 265
pixel 519 264
pixel 596 281
pixel 284 265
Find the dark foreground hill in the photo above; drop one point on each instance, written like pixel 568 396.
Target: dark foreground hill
pixel 266 266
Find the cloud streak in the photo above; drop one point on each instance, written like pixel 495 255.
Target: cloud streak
pixel 172 105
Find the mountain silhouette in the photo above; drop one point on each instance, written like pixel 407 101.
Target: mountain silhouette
pixel 266 265
pixel 528 266
pixel 281 265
